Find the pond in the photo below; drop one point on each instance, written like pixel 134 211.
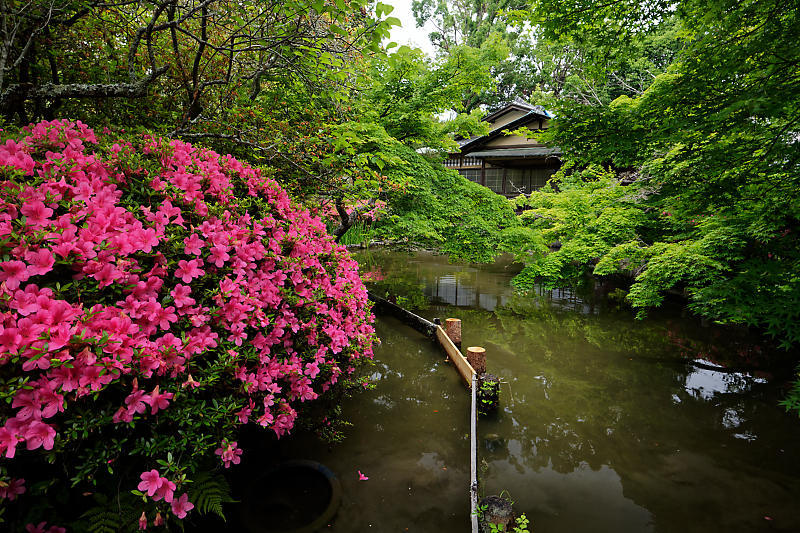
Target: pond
pixel 607 423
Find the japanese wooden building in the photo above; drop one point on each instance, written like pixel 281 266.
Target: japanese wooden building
pixel 508 164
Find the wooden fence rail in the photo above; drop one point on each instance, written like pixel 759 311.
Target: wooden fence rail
pixel 381 305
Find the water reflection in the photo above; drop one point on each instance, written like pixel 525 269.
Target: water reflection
pixel 705 384
pixel 409 436
pixel 607 424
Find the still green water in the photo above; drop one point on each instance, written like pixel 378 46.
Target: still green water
pixel 605 423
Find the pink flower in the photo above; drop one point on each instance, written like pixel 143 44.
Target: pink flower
pixel 13 273
pixel 188 270
pixel 36 213
pixel 190 382
pixel 362 477
pixel 181 295
pixel 181 506
pixel 194 244
pixel 135 402
pixel 143 521
pixel 292 298
pixel 40 262
pixel 12 489
pixel 165 491
pixel 218 255
pixel 39 434
pixel 10 339
pixel 40 528
pixel 157 400
pixel 244 414
pixel 227 286
pixel 9 439
pixel 151 482
pixel 229 453
pixel 312 369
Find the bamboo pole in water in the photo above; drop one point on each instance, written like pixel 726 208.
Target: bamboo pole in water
pixel 473 456
pixel 464 369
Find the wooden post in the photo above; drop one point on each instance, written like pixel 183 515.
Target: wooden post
pixel 477 359
pixel 453 330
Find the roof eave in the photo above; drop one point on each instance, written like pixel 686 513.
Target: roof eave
pixel 507 109
pixel 521 121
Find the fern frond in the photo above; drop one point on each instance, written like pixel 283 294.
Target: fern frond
pixel 208 493
pixel 101 520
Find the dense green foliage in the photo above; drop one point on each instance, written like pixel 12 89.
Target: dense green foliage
pixel 588 215
pixel 440 209
pixel 707 151
pixel 679 122
pixel 716 167
pixel 408 91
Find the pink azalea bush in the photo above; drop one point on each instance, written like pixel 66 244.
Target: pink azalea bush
pixel 151 289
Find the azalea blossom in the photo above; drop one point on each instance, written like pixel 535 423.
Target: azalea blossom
pixel 194 244
pixel 165 491
pixel 229 453
pixel 151 482
pixel 278 313
pixel 157 400
pixel 181 506
pixel 36 213
pixel 38 434
pixel 13 273
pixel 11 489
pixel 188 270
pixel 39 262
pixel 181 295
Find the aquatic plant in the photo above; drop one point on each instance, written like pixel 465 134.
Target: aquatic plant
pixel 154 298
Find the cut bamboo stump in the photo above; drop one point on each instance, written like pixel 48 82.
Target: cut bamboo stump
pixel 453 329
pixel 477 359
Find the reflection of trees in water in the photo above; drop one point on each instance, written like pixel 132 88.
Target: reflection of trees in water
pixel 733 348
pixel 400 284
pixel 544 326
pixel 608 390
pixel 425 277
pixel 410 383
pixel 588 386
